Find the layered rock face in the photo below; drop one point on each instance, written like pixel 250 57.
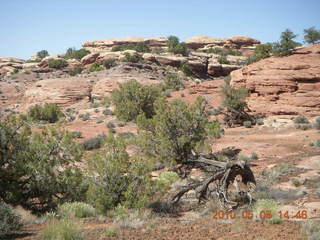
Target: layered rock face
pixel 9 64
pixel 283 85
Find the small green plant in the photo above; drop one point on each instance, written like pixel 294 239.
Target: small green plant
pixel 311 228
pixel 75 71
pixel 48 112
pixel 110 125
pixel 109 63
pixel 111 232
pixel 296 182
pixel 10 221
pixel 107 112
pixel 223 60
pixel 42 54
pixel 254 156
pixel 64 229
pixel 259 121
pixel 247 124
pixel 96 67
pixel 172 81
pixel 311 35
pixel 186 68
pixel 76 209
pixel 301 119
pixel 72 53
pixel 139 47
pixel 303 126
pixel 168 178
pixel 317 123
pixel 175 47
pixel 76 134
pixel 94 143
pixel 130 58
pixel 57 63
pixel 85 116
pixel 263 207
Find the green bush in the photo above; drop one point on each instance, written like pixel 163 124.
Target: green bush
pixel 114 180
pixel 317 123
pixel 168 178
pixel 65 229
pixel 57 63
pixel 303 126
pixel 75 71
pixel 109 63
pixel 234 99
pixel 312 228
pixel 224 52
pixel 96 67
pixel 175 47
pixel 247 124
pixel 107 112
pixel 48 112
pixel 186 68
pixel 260 52
pixel 85 116
pixel 311 35
pixel 9 220
pixel 76 209
pixel 176 129
pixel 130 58
pixel 234 52
pixel 132 99
pixel 172 81
pixel 72 53
pixel 216 50
pixel 286 44
pixel 38 166
pixel 139 47
pixel 223 60
pixel 42 54
pixel 94 143
pixel 264 205
pixel 301 119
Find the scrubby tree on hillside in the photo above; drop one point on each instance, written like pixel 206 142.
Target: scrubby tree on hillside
pixel 42 54
pixel 37 170
pixel 176 129
pixel 286 44
pixel 311 35
pixel 174 46
pixel 260 52
pixel 72 53
pixel 132 99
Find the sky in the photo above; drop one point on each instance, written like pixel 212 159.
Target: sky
pixel 28 26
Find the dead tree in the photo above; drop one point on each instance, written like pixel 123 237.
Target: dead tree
pixel 222 174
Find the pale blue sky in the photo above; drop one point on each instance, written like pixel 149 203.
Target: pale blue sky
pixel 28 26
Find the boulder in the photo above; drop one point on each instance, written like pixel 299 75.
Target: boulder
pixel 90 58
pixel 170 60
pixel 283 85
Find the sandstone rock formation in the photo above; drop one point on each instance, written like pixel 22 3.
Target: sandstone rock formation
pixel 63 92
pixel 236 42
pixel 283 85
pixel 9 65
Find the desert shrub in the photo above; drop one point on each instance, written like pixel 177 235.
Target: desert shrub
pixel 316 143
pixel 259 121
pixel 132 99
pixel 172 81
pixel 10 221
pixel 109 63
pixel 65 229
pixel 126 135
pixel 107 112
pixel 296 182
pixel 72 53
pixel 130 58
pixel 176 129
pixel 254 156
pixel 217 50
pixel 267 206
pixel 29 167
pixel 175 47
pixel 168 178
pixel 317 123
pixel 139 47
pixel 57 63
pixel 311 228
pixel 286 44
pixel 94 143
pixel 115 180
pixel 48 112
pixel 85 116
pixel 301 119
pixel 311 35
pixel 223 60
pixel 75 71
pixel 106 101
pixel 96 67
pixel 95 105
pixel 247 124
pixel 76 134
pixel 303 126
pixel 76 209
pixel 110 125
pixel 186 68
pixel 234 99
pixel 42 54
pixel 110 232
pixel 260 52
pixel 234 52
pixel 279 170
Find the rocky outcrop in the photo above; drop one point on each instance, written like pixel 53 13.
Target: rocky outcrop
pixel 283 85
pixel 112 42
pixel 63 92
pixel 9 65
pixel 236 42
